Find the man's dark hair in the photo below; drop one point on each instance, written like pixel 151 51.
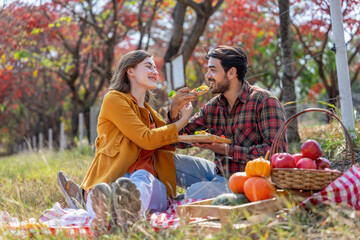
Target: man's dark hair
pixel 231 57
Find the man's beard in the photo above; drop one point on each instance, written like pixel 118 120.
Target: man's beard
pixel 221 86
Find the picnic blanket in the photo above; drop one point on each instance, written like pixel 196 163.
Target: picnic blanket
pixel 345 190
pixel 76 222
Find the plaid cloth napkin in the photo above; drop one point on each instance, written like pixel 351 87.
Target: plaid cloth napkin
pixel 345 189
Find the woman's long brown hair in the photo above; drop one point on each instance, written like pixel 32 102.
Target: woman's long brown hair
pixel 120 80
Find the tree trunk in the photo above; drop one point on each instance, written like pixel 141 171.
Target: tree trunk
pixel 204 11
pixel 178 32
pixel 287 78
pixel 194 37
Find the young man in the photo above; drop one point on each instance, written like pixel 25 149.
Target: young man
pixel 248 115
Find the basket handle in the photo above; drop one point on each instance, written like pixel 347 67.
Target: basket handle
pixel 282 130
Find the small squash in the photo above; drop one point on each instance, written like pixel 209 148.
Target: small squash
pixel 237 181
pixel 230 199
pixel 258 167
pixel 258 188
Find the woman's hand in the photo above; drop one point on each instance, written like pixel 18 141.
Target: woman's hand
pixel 185 114
pixel 182 98
pixel 186 111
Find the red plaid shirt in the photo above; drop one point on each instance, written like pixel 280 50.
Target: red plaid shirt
pixel 252 124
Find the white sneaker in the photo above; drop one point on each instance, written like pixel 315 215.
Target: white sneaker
pixel 126 203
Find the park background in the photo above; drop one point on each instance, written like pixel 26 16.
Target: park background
pixel 57 57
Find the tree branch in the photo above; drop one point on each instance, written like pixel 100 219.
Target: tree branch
pixel 326 39
pixel 354 78
pixel 297 30
pixel 196 6
pixel 216 7
pixel 352 56
pixel 140 24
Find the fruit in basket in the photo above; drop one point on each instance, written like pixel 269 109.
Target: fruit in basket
pixel 237 181
pixel 322 163
pixel 258 188
pixel 273 157
pixel 297 157
pixel 285 160
pixel 230 199
pixel 306 163
pixel 258 167
pixel 311 149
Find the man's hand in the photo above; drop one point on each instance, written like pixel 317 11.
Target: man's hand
pixel 182 98
pixel 221 148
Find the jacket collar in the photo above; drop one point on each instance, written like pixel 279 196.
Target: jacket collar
pixel 159 122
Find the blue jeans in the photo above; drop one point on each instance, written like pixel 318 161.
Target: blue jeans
pixel 199 177
pixel 152 191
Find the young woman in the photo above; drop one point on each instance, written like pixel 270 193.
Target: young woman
pixel 133 170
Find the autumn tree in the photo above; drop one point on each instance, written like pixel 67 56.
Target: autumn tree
pixel 31 98
pixel 312 25
pixel 146 18
pixel 186 43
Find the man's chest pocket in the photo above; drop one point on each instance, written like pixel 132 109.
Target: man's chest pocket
pixel 247 136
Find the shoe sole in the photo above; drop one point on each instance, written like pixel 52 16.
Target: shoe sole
pixel 126 202
pixel 67 197
pixel 101 201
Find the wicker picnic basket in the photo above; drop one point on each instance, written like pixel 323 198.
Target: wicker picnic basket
pixel 306 179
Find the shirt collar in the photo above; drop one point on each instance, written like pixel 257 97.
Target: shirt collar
pixel 243 95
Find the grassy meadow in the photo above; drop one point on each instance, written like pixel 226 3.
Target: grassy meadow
pixel 28 186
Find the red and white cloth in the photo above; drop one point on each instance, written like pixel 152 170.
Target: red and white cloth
pixel 57 217
pixel 76 222
pixel 169 218
pixel 344 190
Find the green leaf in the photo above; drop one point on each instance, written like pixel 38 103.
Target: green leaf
pixel 327 104
pixel 172 93
pixel 35 31
pixel 68 68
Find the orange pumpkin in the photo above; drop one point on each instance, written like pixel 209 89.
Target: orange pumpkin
pixel 237 181
pixel 258 188
pixel 258 167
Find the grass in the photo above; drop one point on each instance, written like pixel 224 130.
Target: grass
pixel 28 186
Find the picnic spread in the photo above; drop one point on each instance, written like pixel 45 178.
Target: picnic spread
pixel 75 222
pixel 304 179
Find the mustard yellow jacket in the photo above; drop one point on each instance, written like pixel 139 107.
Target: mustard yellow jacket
pixel 123 131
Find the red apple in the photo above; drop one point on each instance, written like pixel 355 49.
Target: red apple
pixel 322 163
pixel 273 157
pixel 311 149
pixel 297 157
pixel 306 163
pixel 285 160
